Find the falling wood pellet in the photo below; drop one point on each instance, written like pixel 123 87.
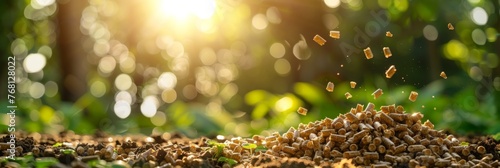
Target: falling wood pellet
pixel 302 111
pixel 388 34
pixel 320 40
pixel 348 95
pixel 413 96
pixel 390 72
pixel 368 53
pixel 387 52
pixel 330 86
pixel 377 93
pixel 450 27
pixel 443 75
pixel 353 84
pixel 335 34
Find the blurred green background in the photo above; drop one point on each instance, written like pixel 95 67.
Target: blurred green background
pixel 243 67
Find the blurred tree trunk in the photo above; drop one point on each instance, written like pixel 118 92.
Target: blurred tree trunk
pixel 72 56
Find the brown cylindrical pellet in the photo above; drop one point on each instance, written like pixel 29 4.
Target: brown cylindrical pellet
pixel 413 96
pixel 353 84
pixel 377 126
pixel 320 40
pixel 399 149
pixel 337 138
pixel 357 137
pixel 386 119
pixel 371 155
pixel 416 116
pixel 368 53
pixel 408 139
pixel 372 147
pixel 415 148
pixel 390 158
pixel 351 154
pixel 377 93
pixel 387 142
pixel 390 72
pixel 353 147
pixel 377 141
pixel 351 117
pixel 387 52
pixel 336 153
pixel 381 149
pixel 330 86
pixel 443 163
pixel 397 117
pixel 335 34
pixel 481 149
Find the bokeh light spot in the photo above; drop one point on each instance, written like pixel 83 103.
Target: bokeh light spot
pixel 123 96
pixel 273 15
pixel 167 80
pixel 208 56
pixel 282 66
pixel 430 32
pixel 169 95
pixel 332 3
pixel 331 21
pixel 259 21
pixel 301 51
pixel 98 88
pixel 476 73
pixel 51 88
pixel 37 90
pixel 491 34
pixel 159 119
pixel 34 63
pixel 149 106
pixel 189 92
pixel 123 82
pixel 277 50
pixel 122 109
pixel 478 36
pixel 479 16
pixel 107 64
pixel 283 104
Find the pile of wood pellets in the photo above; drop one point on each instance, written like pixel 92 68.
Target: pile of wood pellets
pixel 379 138
pixel 362 137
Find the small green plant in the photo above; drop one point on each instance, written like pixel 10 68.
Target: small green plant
pixel 67 151
pixel 58 144
pixel 220 147
pixel 496 136
pixel 261 148
pixel 229 161
pixel 45 162
pixel 249 146
pixel 464 143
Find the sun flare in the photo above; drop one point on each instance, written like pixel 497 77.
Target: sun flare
pixel 183 9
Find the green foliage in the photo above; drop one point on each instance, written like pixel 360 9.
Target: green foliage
pixel 229 161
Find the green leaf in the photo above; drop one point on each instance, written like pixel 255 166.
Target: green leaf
pixel 310 92
pixel 58 144
pixel 464 143
pixel 67 151
pixel 260 111
pixel 229 161
pixel 260 149
pixel 249 146
pixel 496 136
pixel 256 96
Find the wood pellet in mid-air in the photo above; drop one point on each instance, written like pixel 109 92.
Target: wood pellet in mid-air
pixel 450 27
pixel 348 95
pixel 368 53
pixel 413 96
pixel 353 84
pixel 320 40
pixel 387 52
pixel 388 34
pixel 302 111
pixel 377 93
pixel 443 75
pixel 335 34
pixel 390 72
pixel 330 86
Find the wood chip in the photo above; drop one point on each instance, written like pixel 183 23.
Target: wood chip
pixel 390 72
pixel 368 53
pixel 388 34
pixel 387 52
pixel 377 93
pixel 348 95
pixel 413 96
pixel 330 86
pixel 353 84
pixel 450 27
pixel 320 40
pixel 443 75
pixel 302 111
pixel 335 34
